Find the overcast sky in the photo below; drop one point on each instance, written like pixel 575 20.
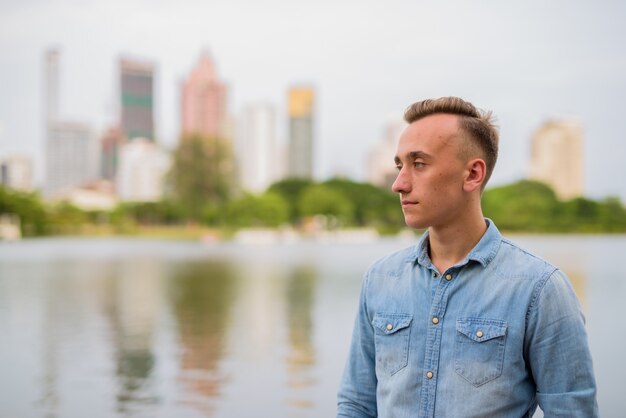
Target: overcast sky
pixel 527 61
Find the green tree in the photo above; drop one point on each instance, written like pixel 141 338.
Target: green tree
pixel 372 205
pixel 525 205
pixel 321 199
pixel 34 218
pixel 580 214
pixel 291 189
pixel 612 215
pixel 202 173
pixel 67 218
pixel 269 209
pixel 151 213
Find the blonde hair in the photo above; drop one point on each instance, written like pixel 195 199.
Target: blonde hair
pixel 477 123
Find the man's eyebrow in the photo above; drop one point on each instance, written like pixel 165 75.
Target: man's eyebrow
pixel 412 156
pixel 417 154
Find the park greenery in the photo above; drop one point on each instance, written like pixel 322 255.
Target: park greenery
pixel 201 193
pixel 525 206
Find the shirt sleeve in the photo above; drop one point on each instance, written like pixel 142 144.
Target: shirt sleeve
pixel 558 351
pixel 357 392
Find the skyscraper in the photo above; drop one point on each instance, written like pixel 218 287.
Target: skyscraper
pixel 257 150
pixel 557 157
pixel 381 169
pixel 51 73
pixel 71 157
pixel 203 102
pixel 71 150
pixel 137 99
pixel 301 119
pixel 110 145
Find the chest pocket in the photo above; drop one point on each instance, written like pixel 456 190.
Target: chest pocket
pixel 391 338
pixel 479 349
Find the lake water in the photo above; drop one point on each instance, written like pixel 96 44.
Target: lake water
pixel 140 328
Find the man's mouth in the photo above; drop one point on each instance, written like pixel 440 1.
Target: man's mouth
pixel 407 203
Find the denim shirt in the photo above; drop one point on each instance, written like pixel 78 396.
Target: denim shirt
pixel 493 336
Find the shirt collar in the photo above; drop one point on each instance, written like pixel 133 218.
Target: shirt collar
pixel 483 252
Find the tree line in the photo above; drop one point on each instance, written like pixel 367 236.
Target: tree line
pixel 526 206
pixel 201 189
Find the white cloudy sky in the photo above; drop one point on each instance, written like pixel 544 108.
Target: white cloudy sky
pixel 525 60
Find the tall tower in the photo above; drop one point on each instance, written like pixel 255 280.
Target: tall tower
pixel 110 145
pixel 301 118
pixel 257 151
pixel 203 102
pixel 71 149
pixel 137 99
pixel 381 169
pixel 557 157
pixel 51 73
pixel 71 157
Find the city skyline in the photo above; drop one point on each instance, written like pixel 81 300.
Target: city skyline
pixel 527 62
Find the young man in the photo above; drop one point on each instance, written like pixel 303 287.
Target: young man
pixel 465 324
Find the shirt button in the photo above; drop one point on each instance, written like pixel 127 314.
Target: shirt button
pixel 479 334
pixel 429 375
pixel 435 320
pixel 448 277
pixel 435 275
pixel 389 327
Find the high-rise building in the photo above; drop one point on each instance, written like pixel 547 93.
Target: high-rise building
pixel 71 157
pixel 257 153
pixel 204 102
pixel 557 157
pixel 141 171
pixel 110 145
pixel 51 74
pixel 137 99
pixel 71 153
pixel 381 169
pixel 16 172
pixel 301 120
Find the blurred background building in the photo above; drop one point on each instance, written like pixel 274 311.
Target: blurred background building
pixel 301 123
pixel 137 99
pixel 257 152
pixel 71 154
pixel 141 171
pixel 381 169
pixel 557 158
pixel 51 87
pixel 110 144
pixel 204 102
pixel 16 172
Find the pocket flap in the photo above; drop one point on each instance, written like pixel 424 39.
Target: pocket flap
pixel 480 329
pixel 388 323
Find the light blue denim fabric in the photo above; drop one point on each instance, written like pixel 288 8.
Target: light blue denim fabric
pixel 508 335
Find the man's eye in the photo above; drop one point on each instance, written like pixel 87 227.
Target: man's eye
pixel 398 167
pixel 418 164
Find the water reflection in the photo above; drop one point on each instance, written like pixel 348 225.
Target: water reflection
pixel 227 332
pixel 300 294
pixel 133 309
pixel 202 296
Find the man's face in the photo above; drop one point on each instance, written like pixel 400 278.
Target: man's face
pixel 431 172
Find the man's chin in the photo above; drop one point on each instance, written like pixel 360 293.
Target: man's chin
pixel 415 223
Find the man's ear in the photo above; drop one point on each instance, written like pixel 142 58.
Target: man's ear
pixel 475 174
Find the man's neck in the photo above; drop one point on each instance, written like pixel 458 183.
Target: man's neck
pixel 450 244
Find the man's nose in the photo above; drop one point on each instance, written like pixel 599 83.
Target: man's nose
pixel 402 183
